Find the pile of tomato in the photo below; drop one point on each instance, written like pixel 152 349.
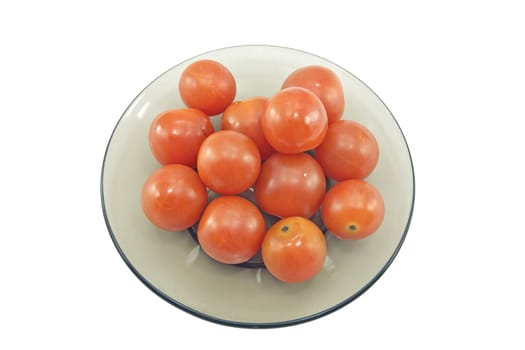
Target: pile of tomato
pixel 283 148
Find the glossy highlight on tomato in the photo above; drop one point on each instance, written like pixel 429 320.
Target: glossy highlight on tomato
pixel 353 209
pixel 174 197
pixel 228 162
pixel 294 121
pixel 207 85
pixel 290 185
pixel 231 229
pixel 294 250
pixel 176 135
pixel 325 84
pixel 348 151
pixel 245 117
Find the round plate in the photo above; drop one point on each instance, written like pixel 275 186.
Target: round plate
pixel 172 264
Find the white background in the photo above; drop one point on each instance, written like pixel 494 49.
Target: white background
pixel 451 72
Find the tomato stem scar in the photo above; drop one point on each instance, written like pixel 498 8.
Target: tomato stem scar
pixel 352 227
pixel 284 228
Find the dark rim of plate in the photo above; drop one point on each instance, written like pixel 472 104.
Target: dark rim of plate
pixel 225 322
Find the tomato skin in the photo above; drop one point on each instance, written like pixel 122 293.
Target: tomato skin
pixel 324 83
pixel 245 117
pixel 294 121
pixel 294 250
pixel 290 185
pixel 173 197
pixel 231 229
pixel 228 162
pixel 207 85
pixel 353 209
pixel 348 151
pixel 175 136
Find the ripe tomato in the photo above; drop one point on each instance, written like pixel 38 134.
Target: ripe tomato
pixel 290 185
pixel 228 162
pixel 245 117
pixel 294 120
pixel 353 209
pixel 294 249
pixel 175 136
pixel 231 229
pixel 348 151
pixel 207 85
pixel 325 84
pixel 174 197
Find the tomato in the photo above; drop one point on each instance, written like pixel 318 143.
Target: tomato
pixel 353 209
pixel 245 117
pixel 174 197
pixel 348 151
pixel 325 84
pixel 175 136
pixel 228 162
pixel 231 229
pixel 290 185
pixel 207 85
pixel 294 120
pixel 294 249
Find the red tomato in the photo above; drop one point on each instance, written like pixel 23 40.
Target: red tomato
pixel 325 84
pixel 294 250
pixel 294 120
pixel 245 117
pixel 231 229
pixel 228 162
pixel 175 136
pixel 174 197
pixel 353 209
pixel 207 85
pixel 348 151
pixel 290 185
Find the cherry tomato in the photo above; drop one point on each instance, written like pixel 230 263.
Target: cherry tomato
pixel 228 162
pixel 231 229
pixel 174 197
pixel 348 151
pixel 290 185
pixel 294 249
pixel 175 136
pixel 207 85
pixel 325 84
pixel 245 117
pixel 353 209
pixel 294 120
